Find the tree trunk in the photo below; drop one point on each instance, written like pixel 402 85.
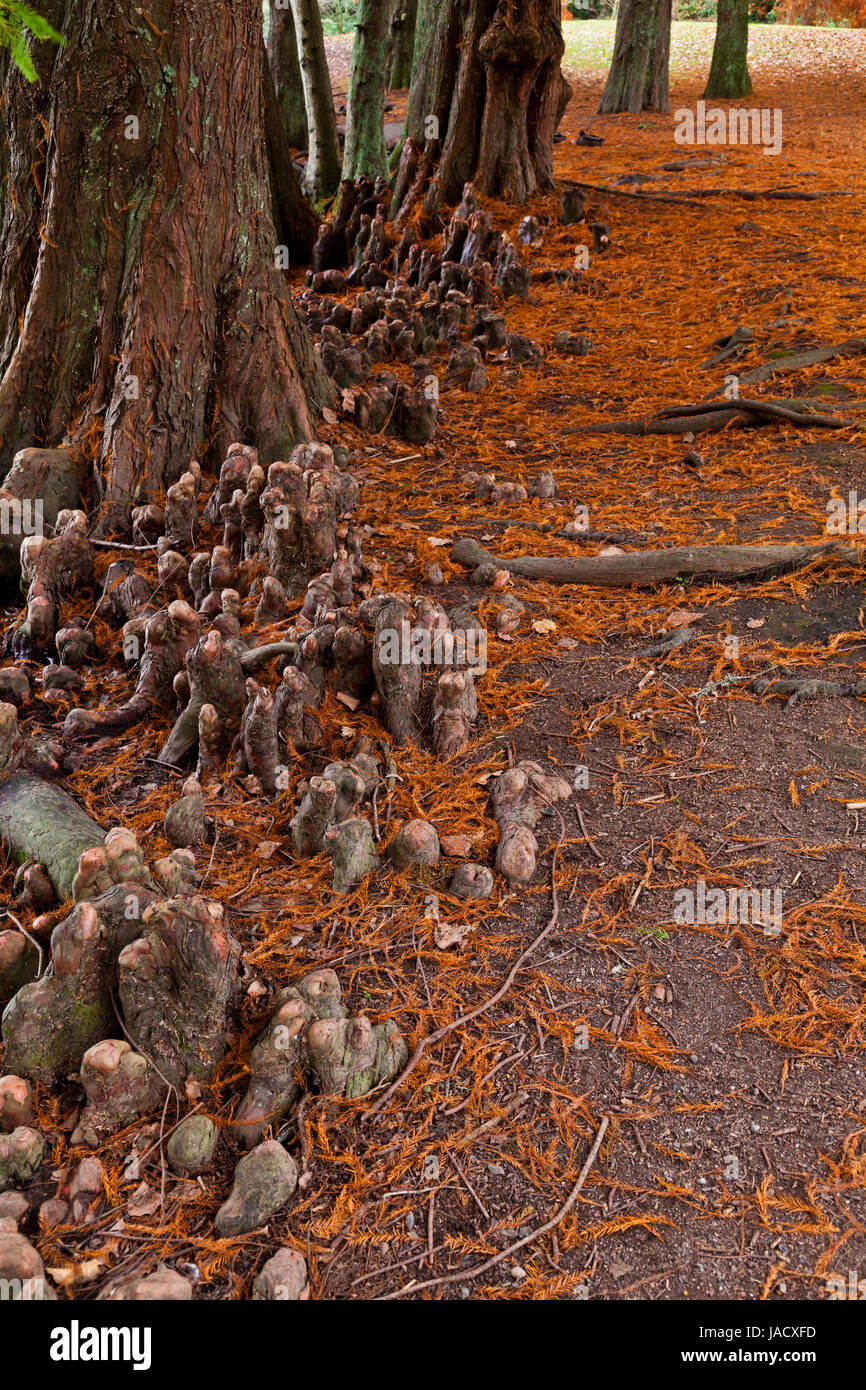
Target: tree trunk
pixel 638 76
pixel 156 327
pixel 286 73
pixel 729 71
pixel 365 156
pixel 296 224
pixel 490 88
pixel 402 43
pixel 323 161
pixel 40 821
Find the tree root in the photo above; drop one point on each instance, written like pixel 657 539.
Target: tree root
pixel 648 567
pixel 278 1053
pixel 175 983
pixel 120 1087
pixel 797 690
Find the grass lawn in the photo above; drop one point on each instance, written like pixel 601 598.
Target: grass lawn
pixel 589 47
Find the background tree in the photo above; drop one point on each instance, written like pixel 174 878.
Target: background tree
pixel 638 76
pixel 487 93
pixel 729 70
pixel 323 160
pixel 154 326
pixel 402 42
pixel 365 155
pixel 286 72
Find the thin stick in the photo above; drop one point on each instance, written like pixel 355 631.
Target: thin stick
pixel 488 1003
pixel 550 1225
pixel 32 939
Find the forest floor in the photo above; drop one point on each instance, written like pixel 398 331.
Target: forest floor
pixel 728 1063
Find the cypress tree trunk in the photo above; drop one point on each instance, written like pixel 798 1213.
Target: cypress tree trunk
pixel 286 73
pixel 156 327
pixel 365 155
pixel 638 76
pixel 402 42
pixel 323 162
pixel 489 94
pixel 729 71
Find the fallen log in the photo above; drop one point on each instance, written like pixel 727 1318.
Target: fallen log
pixel 703 418
pixel 42 822
pixel 797 361
pixel 648 567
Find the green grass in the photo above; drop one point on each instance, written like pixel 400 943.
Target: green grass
pixel 589 45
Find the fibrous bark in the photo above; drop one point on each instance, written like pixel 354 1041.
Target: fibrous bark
pixel 365 155
pixel 638 76
pixel 323 161
pixel 488 95
pixel 152 250
pixel 286 72
pixel 402 42
pixel 729 71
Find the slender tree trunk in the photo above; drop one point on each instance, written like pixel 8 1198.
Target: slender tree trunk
pixel 365 155
pixel 488 91
pixel 729 71
pixel 323 162
pixel 156 326
pixel 286 73
pixel 638 76
pixel 295 222
pixel 402 42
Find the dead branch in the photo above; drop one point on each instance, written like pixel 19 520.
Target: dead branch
pixel 647 567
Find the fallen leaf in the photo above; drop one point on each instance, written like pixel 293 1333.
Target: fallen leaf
pixel 346 731
pixel 680 617
pixel 436 540
pixel 143 1202
pixel 450 934
pixel 348 700
pixel 755 622
pixel 544 625
pixel 456 846
pixel 76 1274
pixel 611 550
pixel 267 849
pixel 328 415
pixel 191 1089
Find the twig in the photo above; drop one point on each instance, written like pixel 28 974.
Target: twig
pixel 550 1225
pixel 31 939
pixel 488 1003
